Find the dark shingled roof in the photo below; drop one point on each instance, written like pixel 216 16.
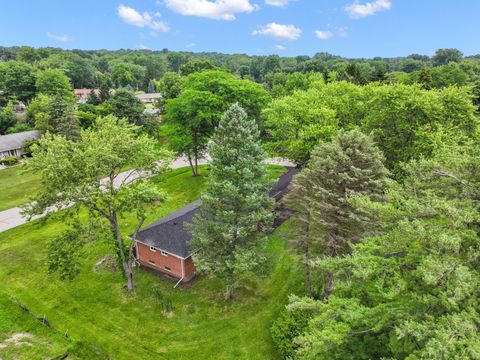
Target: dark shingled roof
pixel 169 233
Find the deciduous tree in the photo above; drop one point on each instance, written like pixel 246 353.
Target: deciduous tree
pixel 54 82
pixel 72 172
pixel 7 118
pixel 17 80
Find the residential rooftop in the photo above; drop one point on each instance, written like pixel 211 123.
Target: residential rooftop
pixel 16 141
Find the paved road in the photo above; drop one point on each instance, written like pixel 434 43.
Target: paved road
pixel 12 217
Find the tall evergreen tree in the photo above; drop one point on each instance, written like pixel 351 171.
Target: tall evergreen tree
pixel 151 87
pixel 236 208
pixel 348 166
pixel 58 117
pixel 104 94
pixel 410 292
pixel 93 98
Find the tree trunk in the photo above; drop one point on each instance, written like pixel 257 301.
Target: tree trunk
pixel 229 289
pixel 127 269
pixel 328 287
pixel 308 280
pixel 192 167
pixel 196 161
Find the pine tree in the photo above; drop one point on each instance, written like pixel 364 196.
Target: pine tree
pixel 93 98
pixel 58 117
pixel 104 92
pixel 411 292
pixel 236 209
pixel 151 87
pixel 348 166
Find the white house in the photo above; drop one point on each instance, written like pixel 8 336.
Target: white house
pixel 148 98
pixel 11 145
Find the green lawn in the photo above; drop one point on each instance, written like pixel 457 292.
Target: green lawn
pixel 95 310
pixel 34 340
pixel 17 187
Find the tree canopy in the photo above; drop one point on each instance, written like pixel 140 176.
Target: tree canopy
pixel 72 173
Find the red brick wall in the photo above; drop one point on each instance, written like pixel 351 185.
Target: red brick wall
pixel 145 256
pixel 189 268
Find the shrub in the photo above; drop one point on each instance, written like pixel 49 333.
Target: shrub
pixel 288 326
pixel 18 128
pixel 9 161
pixel 27 147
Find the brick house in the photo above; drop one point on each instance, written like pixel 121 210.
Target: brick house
pixel 165 244
pixel 82 95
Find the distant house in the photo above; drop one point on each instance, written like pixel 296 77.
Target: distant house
pixel 153 112
pixel 19 107
pixel 148 98
pixel 165 245
pixel 11 145
pixel 83 94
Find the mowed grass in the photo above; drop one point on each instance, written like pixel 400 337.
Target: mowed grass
pixel 17 186
pixel 35 341
pixel 94 309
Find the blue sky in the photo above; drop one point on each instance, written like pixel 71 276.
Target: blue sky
pixel 287 27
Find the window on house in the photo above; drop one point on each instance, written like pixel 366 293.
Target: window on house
pixel 153 249
pixel 167 268
pixel 164 253
pixel 151 262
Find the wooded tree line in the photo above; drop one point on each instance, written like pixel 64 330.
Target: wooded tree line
pixel 28 74
pixel 137 68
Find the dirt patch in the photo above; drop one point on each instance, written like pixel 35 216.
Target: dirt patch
pixel 107 263
pixel 17 339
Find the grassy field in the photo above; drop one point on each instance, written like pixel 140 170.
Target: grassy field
pixel 23 337
pixel 95 311
pixel 17 187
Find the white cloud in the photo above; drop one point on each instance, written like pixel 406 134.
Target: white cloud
pixel 190 45
pixel 277 3
pixel 323 34
pixel 217 9
pixel 280 47
pixel 133 17
pixel 279 31
pixel 143 47
pixel 358 11
pixel 61 38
